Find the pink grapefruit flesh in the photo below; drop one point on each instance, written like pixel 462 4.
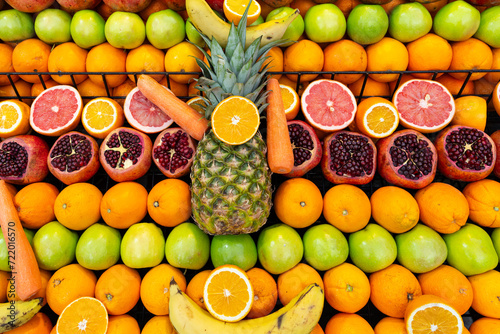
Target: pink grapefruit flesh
pixel 56 110
pixel 328 105
pixel 143 115
pixel 424 105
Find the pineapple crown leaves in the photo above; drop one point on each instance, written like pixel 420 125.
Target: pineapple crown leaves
pixel 234 70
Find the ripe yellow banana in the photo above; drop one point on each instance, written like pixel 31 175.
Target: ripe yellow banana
pixel 205 20
pixel 16 313
pixel 297 317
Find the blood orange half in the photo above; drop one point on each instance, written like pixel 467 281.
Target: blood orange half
pixel 143 115
pixel 57 110
pixel 328 105
pixel 424 105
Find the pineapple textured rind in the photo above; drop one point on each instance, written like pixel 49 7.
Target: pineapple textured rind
pixel 231 190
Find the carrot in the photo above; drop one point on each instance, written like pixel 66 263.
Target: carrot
pixel 182 114
pixel 25 272
pixel 279 146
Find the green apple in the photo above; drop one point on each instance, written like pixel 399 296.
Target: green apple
pixel 294 30
pixel 87 28
pixel 239 250
pixel 457 21
pixel 143 246
pixel 192 34
pixel 187 247
pixel 495 238
pixel 471 250
pixel 409 21
pixel 421 249
pixel 372 248
pixel 5 256
pixel 165 29
pixel 54 246
pixel 98 247
pixel 53 26
pixel 125 30
pixel 279 248
pixel 325 246
pixel 325 23
pixel 16 26
pixel 367 24
pixel 489 27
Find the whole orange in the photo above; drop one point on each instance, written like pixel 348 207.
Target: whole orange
pixel 390 325
pixel 124 204
pixel 122 324
pixel 104 58
pixel 485 293
pixel 298 202
pixel 159 324
pixel 155 287
pixel 483 197
pixel 67 57
pixel 470 111
pixel 194 288
pixel 348 323
pixel 118 288
pixel 304 55
pixel 347 207
pixel 388 54
pixel 429 53
pixel 39 324
pixel 345 56
pixel 293 281
pixel 456 86
pixel 145 58
pixel 265 292
pixel 6 64
pixel 347 288
pixel 471 54
pixel 169 202
pixel 29 56
pixel 181 58
pixel 274 61
pixel 35 204
pixel 485 326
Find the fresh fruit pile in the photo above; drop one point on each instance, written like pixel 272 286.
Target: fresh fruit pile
pixel 344 177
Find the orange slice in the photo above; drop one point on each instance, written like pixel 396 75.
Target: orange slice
pixel 377 117
pixel 235 120
pixel 228 293
pixel 84 315
pixel 496 98
pixel 196 103
pixel 428 314
pixel 102 115
pixel 14 118
pixel 291 101
pixel 234 9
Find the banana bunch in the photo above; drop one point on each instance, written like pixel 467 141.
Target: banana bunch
pixel 17 313
pixel 299 316
pixel 205 20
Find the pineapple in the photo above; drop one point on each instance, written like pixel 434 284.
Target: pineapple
pixel 231 191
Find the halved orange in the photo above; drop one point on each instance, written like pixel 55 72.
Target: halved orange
pixel 235 120
pixel 228 294
pixel 196 103
pixel 496 98
pixel 377 117
pixel 234 9
pixel 427 314
pixel 14 118
pixel 84 315
pixel 102 115
pixel 291 101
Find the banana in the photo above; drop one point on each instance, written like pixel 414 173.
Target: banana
pixel 299 316
pixel 206 21
pixel 16 313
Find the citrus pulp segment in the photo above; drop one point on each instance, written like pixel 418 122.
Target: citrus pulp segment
pixel 143 115
pixel 235 120
pixel 291 101
pixel 328 105
pixel 14 118
pixel 102 115
pixel 84 315
pixel 228 293
pixel 432 314
pixel 377 117
pixel 56 110
pixel 424 105
pixel 234 9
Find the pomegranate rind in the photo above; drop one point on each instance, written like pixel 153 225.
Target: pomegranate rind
pixel 36 169
pixel 328 105
pixel 178 172
pixel 389 172
pixel 83 174
pixel 151 120
pixel 316 152
pixel 332 176
pixel 449 168
pixel 57 110
pixel 424 105
pixel 131 172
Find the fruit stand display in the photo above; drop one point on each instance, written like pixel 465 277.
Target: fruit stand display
pixel 348 180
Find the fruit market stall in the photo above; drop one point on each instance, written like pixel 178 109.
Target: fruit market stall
pixel 346 177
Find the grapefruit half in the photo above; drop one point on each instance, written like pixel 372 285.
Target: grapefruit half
pixel 424 105
pixel 57 110
pixel 328 105
pixel 143 115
